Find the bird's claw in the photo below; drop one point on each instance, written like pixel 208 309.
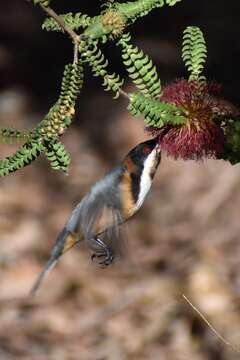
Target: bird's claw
pixel 105 253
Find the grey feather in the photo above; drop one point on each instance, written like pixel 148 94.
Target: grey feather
pixel 102 195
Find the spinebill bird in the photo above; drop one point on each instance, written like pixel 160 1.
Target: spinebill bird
pixel 111 201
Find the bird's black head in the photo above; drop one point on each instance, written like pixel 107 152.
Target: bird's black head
pixel 137 158
pixel 139 153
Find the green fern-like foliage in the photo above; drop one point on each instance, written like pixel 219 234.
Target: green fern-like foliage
pixel 23 157
pixel 172 2
pixel 71 84
pixel 60 115
pixel 194 52
pixel 94 57
pixel 136 9
pixel 42 2
pixel 156 113
pixel 109 24
pixel 57 154
pixel 10 135
pixel 74 21
pixel 114 20
pixel 140 68
pixel 107 4
pixel 51 127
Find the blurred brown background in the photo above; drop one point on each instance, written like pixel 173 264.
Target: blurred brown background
pixel 184 240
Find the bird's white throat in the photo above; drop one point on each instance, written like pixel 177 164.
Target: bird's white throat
pixel 146 180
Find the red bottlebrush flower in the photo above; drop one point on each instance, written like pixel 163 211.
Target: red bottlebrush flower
pixel 200 137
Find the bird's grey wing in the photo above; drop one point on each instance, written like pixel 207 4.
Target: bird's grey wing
pixel 111 234
pixel 100 218
pixel 98 214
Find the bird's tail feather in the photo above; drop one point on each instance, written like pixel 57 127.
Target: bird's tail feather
pixel 65 241
pixel 49 266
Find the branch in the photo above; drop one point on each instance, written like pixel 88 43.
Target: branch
pixel 50 12
pixel 124 94
pixel 61 23
pixel 203 317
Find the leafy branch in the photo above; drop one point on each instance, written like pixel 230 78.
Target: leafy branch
pixel 109 25
pixel 172 108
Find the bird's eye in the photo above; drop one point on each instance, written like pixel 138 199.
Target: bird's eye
pixel 147 150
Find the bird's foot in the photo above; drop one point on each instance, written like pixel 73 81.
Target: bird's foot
pixel 104 253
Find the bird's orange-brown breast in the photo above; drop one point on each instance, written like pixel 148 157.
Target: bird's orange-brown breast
pixel 128 198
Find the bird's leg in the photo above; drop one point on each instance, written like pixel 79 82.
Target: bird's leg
pixel 104 252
